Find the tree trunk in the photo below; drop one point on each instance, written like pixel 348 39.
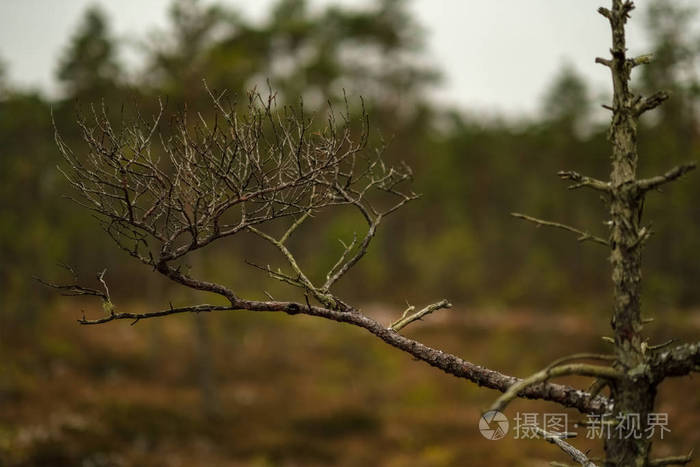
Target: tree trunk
pixel 633 394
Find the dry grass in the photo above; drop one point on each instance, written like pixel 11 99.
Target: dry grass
pixel 293 391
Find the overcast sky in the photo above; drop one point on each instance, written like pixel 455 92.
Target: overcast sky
pixel 497 56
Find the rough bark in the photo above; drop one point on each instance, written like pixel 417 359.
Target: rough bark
pixel 635 392
pixel 631 394
pixel 638 367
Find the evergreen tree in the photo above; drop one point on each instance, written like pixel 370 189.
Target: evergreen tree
pixel 566 103
pixel 89 66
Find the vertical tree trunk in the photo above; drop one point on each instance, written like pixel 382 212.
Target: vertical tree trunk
pixel 635 393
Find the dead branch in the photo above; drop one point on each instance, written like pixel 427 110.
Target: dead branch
pixel 204 308
pixel 597 386
pixel 71 290
pixel 583 181
pixel 672 460
pixel 580 369
pixel 574 453
pixel 582 236
pixel 646 104
pixel 581 356
pixel 249 171
pixel 675 173
pixel 448 363
pixel 679 361
pixel 407 318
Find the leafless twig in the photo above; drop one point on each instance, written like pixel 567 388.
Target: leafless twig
pixel 582 236
pixel 574 453
pixel 672 460
pixel 581 369
pixel 407 318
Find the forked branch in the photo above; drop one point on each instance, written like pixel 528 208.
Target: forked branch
pixel 408 317
pixel 583 181
pixel 646 104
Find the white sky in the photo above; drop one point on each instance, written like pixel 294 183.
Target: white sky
pixel 497 56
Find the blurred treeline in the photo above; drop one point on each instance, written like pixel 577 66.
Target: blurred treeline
pixel 458 241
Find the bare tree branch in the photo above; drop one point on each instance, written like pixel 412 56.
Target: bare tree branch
pixel 672 460
pixel 450 364
pixel 574 453
pixel 73 289
pixel 641 60
pixel 646 104
pixel 679 361
pixel 407 318
pixel 204 308
pixel 675 173
pixel 581 356
pixel 251 171
pixel 583 181
pixel 582 236
pixel 581 369
pixel 604 61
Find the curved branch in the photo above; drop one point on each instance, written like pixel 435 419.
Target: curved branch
pixel 176 275
pixel 675 173
pixel 564 395
pixel 581 369
pixel 574 453
pixel 407 319
pixel 672 460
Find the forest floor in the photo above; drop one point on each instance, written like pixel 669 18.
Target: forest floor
pixel 294 391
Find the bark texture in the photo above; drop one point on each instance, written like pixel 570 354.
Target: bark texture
pixel 635 392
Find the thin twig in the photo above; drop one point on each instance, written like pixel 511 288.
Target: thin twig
pixel 672 460
pixel 582 236
pixel 581 369
pixel 574 453
pixel 581 356
pixel 407 319
pixel 583 181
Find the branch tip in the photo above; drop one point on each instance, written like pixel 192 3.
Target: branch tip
pixel 675 173
pixel 582 236
pixel 558 440
pixel 407 318
pixel 672 460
